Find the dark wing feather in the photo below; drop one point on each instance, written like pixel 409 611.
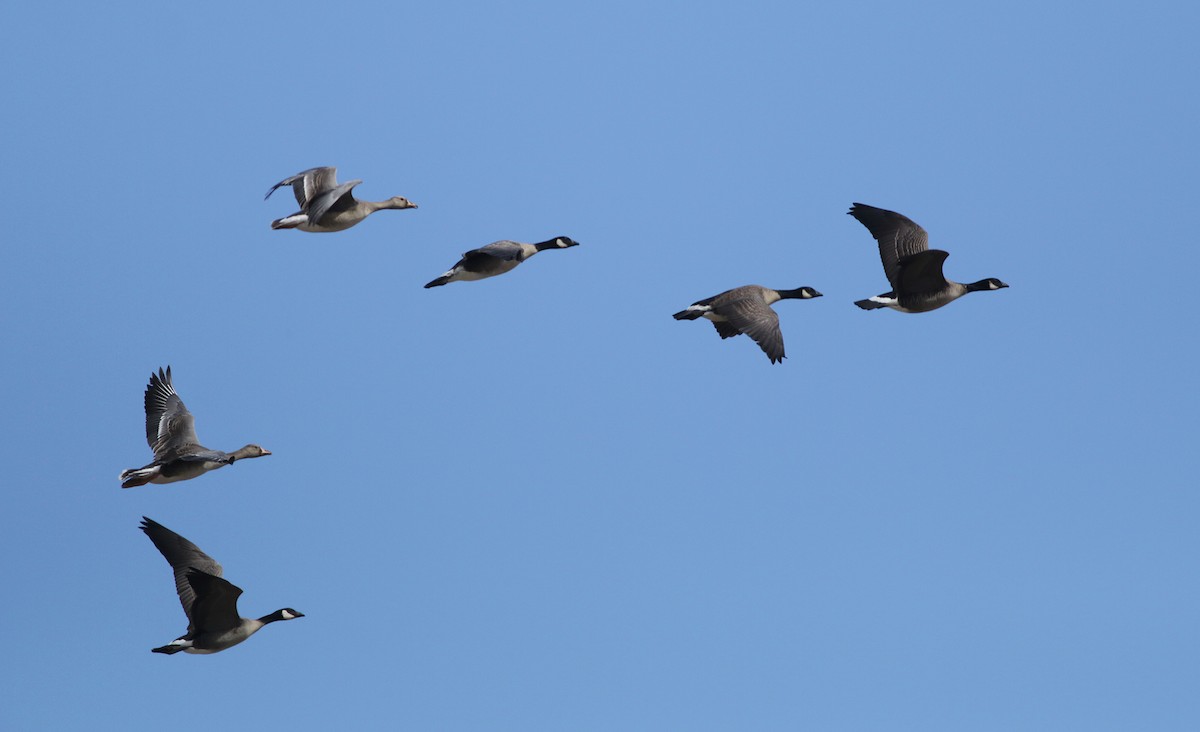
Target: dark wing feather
pixel 726 329
pixel 752 316
pixel 335 199
pixel 297 184
pixel 182 555
pixel 898 236
pixel 489 258
pixel 170 428
pixel 216 603
pixel 922 273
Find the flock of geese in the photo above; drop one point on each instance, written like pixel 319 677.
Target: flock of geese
pixel 210 601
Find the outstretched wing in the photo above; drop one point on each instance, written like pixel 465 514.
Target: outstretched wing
pixel 183 556
pixel 170 427
pixel 216 602
pixel 337 198
pixel 922 273
pixel 752 316
pixel 726 329
pixel 898 236
pixel 308 184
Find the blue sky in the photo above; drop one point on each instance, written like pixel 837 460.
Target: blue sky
pixel 537 502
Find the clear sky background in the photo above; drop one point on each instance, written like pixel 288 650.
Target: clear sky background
pixel 537 502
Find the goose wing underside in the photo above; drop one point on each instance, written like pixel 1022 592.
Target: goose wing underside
pixel 215 608
pixel 756 319
pixel 338 198
pixel 183 556
pixel 897 235
pixel 306 185
pixel 922 273
pixel 170 427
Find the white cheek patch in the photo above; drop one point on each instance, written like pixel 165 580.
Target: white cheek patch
pixel 288 616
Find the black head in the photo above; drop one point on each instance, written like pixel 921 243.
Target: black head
pixel 561 242
pixel 800 293
pixel 286 613
pixel 991 283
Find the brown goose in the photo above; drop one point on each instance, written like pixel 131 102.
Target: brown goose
pixel 496 259
pixel 914 269
pixel 326 206
pixel 171 433
pixel 209 600
pixel 748 310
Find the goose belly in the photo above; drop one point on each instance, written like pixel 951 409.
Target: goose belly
pixel 924 303
pixel 466 275
pixel 329 224
pixel 214 642
pixel 178 470
pixel 201 651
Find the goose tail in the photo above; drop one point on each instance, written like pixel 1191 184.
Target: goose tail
pixel 290 222
pixel 691 312
pixel 134 477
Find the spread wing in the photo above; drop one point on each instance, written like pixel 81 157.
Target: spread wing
pixel 308 184
pixel 216 602
pixel 922 272
pixel 726 329
pixel 897 235
pixel 183 556
pixel 756 319
pixel 338 198
pixel 170 428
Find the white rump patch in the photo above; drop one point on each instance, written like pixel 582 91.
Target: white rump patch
pixel 293 221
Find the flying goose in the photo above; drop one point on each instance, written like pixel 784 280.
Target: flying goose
pixel 209 601
pixel 748 310
pixel 326 206
pixel 914 269
pixel 171 433
pixel 496 259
